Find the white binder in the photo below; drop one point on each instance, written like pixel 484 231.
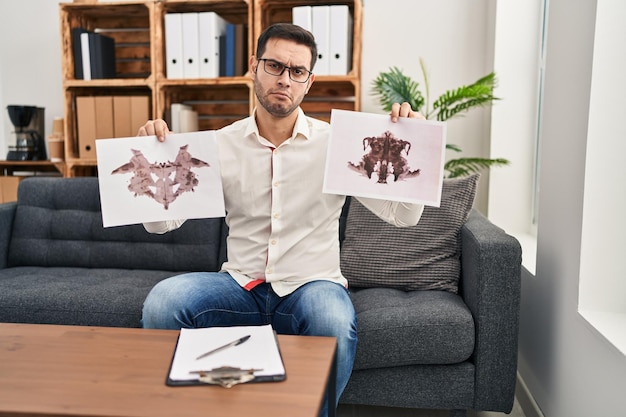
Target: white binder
pixel 191 52
pixel 86 58
pixel 340 39
pixel 174 45
pixel 210 27
pixel 188 120
pixel 301 16
pixel 176 109
pixel 320 24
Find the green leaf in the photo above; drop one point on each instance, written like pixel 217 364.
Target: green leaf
pixel 456 102
pixel 453 147
pixel 465 166
pixel 395 87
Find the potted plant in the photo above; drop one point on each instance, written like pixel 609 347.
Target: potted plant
pixel 395 87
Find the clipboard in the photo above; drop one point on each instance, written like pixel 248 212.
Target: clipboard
pixel 257 360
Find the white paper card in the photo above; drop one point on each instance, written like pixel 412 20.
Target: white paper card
pixel 370 156
pixel 144 180
pixel 260 351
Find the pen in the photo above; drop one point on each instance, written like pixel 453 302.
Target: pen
pixel 226 346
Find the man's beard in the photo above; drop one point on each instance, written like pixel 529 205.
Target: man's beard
pixel 277 109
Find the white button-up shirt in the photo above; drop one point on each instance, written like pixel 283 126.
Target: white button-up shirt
pixel 282 228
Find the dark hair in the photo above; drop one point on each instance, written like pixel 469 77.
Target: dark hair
pixel 290 32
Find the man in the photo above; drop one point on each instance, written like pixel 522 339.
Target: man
pixel 283 248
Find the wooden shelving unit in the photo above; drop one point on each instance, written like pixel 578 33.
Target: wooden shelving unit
pixel 139 31
pixel 131 25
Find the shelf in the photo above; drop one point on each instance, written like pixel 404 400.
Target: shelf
pixel 327 95
pixel 112 82
pixel 8 168
pixel 129 23
pixel 233 11
pixel 217 104
pixel 240 80
pixel 138 28
pixel 71 93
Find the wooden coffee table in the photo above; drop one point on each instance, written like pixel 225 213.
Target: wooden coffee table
pixel 49 370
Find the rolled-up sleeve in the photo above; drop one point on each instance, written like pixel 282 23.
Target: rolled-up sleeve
pixel 163 226
pixel 396 213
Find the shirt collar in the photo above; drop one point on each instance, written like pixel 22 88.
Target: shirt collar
pixel 301 127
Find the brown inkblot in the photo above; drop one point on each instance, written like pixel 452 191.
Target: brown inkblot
pixel 162 181
pixel 385 158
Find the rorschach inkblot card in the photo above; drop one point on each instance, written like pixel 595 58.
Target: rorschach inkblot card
pixel 370 156
pixel 143 180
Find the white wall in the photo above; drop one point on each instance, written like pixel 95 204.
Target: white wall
pixel 30 61
pixel 569 368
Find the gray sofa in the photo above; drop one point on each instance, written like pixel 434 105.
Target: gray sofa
pixel 417 349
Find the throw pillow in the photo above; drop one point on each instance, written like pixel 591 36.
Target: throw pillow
pixel 422 257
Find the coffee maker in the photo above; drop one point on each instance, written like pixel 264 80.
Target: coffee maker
pixel 29 123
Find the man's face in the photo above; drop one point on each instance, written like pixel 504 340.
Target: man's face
pixel 279 95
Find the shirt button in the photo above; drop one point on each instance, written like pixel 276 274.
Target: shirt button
pixel 276 215
pixel 275 183
pixel 273 242
pixel 269 270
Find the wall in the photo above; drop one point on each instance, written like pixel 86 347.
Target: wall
pixel 569 368
pixel 395 33
pixel 30 62
pixel 455 39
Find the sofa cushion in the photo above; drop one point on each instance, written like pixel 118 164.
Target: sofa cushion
pixel 423 257
pixel 76 296
pixel 398 328
pixel 58 223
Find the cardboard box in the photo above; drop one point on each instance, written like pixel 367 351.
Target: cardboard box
pixel 8 188
pixel 104 117
pixel 129 113
pixel 140 112
pixel 121 114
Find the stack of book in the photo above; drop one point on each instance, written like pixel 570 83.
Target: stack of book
pixel 204 45
pixel 332 28
pixel 94 55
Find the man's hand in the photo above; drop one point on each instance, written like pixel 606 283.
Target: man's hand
pixel 156 128
pixel 404 110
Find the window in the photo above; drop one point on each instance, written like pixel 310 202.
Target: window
pixel 515 120
pixel 602 286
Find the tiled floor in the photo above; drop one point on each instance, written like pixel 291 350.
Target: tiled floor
pixel 363 411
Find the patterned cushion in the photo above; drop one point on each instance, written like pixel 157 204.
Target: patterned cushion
pixel 423 257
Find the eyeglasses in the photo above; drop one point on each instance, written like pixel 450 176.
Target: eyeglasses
pixel 297 74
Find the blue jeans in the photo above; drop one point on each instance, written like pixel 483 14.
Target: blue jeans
pixel 207 299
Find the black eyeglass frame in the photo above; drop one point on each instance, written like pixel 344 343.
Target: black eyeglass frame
pixel 285 67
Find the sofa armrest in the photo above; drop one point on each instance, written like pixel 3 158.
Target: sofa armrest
pixel 7 214
pixel 490 285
